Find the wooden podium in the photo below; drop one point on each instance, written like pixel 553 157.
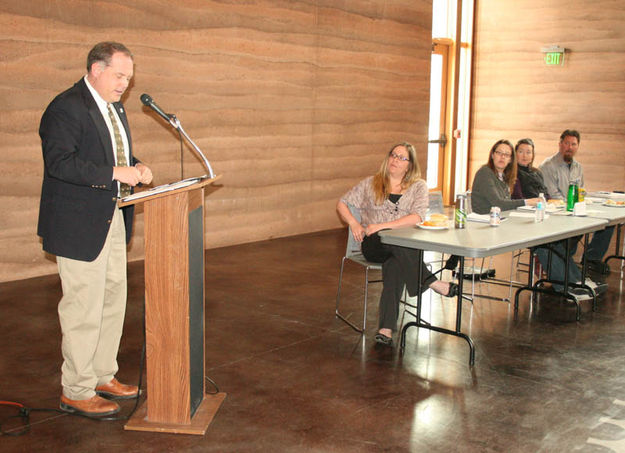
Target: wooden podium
pixel 174 313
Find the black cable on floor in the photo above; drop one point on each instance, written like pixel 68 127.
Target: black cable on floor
pixel 214 386
pixel 24 412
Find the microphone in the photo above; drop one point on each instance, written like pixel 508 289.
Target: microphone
pixel 148 101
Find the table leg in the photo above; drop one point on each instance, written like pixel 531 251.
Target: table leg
pixel 530 282
pixel 584 267
pixel 565 293
pixel 419 283
pixel 457 332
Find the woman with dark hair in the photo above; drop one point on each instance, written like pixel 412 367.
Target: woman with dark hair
pixel 494 182
pixel 530 182
pixel 394 197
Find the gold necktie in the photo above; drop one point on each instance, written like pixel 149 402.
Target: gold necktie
pixel 124 189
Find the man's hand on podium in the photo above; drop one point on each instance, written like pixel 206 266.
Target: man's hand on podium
pixel 146 173
pixel 133 175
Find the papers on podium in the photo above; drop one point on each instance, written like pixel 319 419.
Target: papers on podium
pixel 163 188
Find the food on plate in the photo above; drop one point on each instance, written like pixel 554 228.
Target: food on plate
pixel 436 220
pixel 555 202
pixel 610 202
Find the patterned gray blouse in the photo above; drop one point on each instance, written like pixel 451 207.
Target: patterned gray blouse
pixel 361 196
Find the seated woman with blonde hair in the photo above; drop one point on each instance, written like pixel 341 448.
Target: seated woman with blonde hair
pixel 394 197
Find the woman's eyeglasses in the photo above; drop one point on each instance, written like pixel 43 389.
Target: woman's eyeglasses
pixel 398 157
pixel 502 154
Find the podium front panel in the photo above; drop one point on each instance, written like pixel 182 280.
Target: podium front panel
pixel 167 309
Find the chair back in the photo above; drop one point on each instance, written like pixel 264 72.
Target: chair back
pixel 353 246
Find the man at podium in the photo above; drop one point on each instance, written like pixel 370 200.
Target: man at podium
pixel 88 165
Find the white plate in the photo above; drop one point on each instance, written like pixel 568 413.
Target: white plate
pixel 614 205
pixel 427 227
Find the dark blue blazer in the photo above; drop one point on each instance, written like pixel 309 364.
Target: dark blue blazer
pixel 78 194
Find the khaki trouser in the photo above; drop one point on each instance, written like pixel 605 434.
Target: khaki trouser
pixel 91 313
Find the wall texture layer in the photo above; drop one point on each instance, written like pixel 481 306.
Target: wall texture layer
pixel 516 95
pixel 292 102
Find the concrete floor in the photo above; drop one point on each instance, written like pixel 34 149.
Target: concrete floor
pixel 300 380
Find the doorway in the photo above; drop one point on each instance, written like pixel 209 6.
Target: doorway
pixel 437 128
pixel 450 97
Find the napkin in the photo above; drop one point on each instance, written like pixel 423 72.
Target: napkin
pixel 473 217
pixel 525 214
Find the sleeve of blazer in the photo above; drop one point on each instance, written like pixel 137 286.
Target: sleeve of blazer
pixel 63 129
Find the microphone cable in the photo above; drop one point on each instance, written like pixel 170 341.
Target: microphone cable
pixel 24 412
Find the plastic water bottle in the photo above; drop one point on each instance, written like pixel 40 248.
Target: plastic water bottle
pixel 540 212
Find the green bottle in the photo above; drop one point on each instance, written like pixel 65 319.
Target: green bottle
pixel 572 197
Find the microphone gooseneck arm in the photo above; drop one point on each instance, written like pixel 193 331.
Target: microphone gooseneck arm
pixel 176 124
pixel 147 100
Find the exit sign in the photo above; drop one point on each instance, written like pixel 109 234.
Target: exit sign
pixel 552 58
pixel 554 55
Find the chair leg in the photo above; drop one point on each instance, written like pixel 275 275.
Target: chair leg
pixel 364 305
pixel 338 299
pixel 511 272
pixel 472 279
pixel 338 291
pixel 479 277
pixel 404 301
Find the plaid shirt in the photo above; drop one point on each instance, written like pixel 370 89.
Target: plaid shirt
pixel 558 175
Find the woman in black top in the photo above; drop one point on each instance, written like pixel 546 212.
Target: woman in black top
pixel 530 183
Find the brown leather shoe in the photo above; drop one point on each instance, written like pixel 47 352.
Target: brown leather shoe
pixel 115 390
pixel 93 407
